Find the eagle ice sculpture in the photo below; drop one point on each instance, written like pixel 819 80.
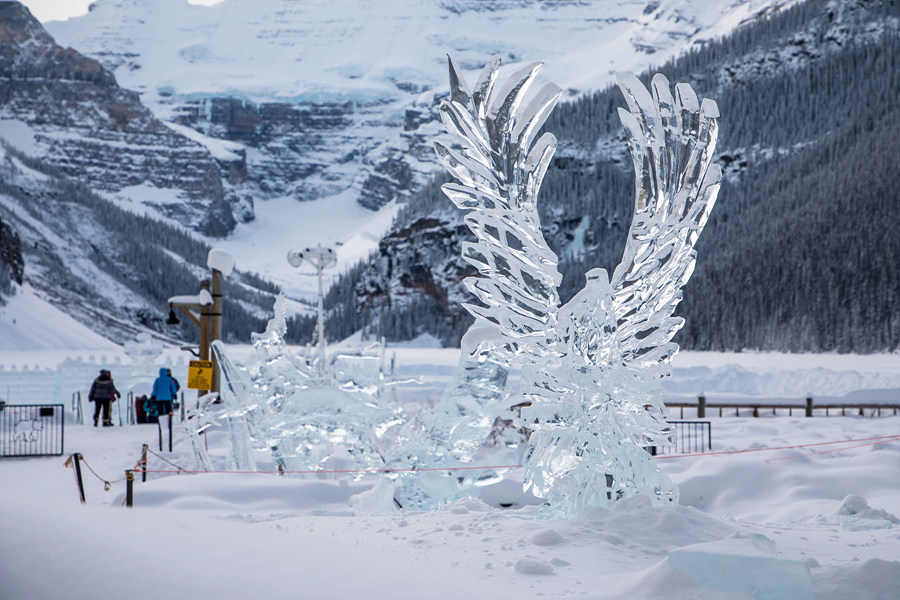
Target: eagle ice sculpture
pixel 591 369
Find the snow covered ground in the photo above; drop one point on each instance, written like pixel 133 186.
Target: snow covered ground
pixel 750 524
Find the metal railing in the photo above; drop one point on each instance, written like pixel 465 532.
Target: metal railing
pixel 130 416
pixel 32 429
pixel 808 408
pixel 77 408
pixel 688 437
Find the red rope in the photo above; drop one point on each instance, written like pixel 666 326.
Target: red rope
pixel 880 439
pixel 474 467
pixel 835 449
pixel 886 438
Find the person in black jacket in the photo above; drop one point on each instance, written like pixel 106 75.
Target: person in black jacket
pixel 103 393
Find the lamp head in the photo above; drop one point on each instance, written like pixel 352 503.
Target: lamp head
pixel 323 258
pixel 173 318
pixel 295 258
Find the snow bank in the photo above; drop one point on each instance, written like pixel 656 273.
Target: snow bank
pixel 774 526
pixel 29 323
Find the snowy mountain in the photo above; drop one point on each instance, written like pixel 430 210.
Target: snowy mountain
pixel 67 109
pixel 284 101
pixel 327 97
pixel 337 107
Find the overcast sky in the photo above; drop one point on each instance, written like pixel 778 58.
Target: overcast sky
pixel 60 10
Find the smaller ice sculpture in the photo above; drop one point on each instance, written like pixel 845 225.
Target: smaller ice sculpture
pixel 304 418
pixel 465 416
pixel 432 450
pixel 143 349
pixel 196 422
pixel 591 368
pixel 309 421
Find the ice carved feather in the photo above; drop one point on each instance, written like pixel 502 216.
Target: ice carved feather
pixel 499 168
pixel 672 140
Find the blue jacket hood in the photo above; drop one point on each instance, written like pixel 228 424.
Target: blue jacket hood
pixel 162 372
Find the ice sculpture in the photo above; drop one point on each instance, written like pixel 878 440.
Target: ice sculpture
pixel 143 349
pixel 284 405
pixel 465 415
pixel 591 368
pixel 197 421
pixel 430 453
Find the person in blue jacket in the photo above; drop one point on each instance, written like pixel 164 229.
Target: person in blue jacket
pixel 165 391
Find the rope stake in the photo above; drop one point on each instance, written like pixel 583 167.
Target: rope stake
pixel 75 461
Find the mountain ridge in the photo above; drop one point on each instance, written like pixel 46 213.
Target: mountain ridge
pixel 844 69
pixel 80 120
pixel 330 100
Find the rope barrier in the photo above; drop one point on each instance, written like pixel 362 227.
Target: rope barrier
pixel 163 458
pixel 317 472
pixel 106 484
pixel 141 467
pixel 895 438
pixel 886 438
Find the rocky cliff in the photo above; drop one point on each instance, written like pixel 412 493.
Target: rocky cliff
pixel 80 121
pixel 12 264
pixel 332 98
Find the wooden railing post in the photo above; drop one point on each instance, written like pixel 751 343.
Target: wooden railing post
pixel 701 407
pixel 76 458
pixel 129 488
pixel 809 407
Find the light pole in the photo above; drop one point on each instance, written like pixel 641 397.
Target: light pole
pixel 321 258
pixel 209 304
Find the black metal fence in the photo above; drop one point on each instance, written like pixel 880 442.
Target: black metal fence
pixel 688 437
pixel 31 429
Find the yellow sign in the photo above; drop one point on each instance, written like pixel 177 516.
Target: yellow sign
pixel 200 374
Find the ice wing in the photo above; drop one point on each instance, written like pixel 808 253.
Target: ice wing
pixel 499 168
pixel 672 140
